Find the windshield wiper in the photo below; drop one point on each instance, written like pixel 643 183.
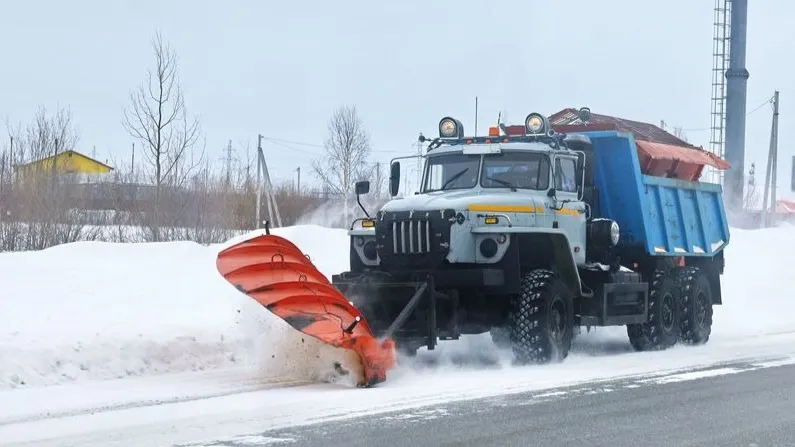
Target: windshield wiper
pixel 502 182
pixel 453 178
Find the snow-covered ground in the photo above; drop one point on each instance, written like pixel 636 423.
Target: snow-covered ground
pixel 164 327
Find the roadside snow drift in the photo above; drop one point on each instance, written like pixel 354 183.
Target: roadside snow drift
pixel 101 310
pixel 93 310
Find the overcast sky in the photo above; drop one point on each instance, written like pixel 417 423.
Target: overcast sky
pixel 281 68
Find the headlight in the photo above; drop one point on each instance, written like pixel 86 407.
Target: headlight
pixel 450 128
pixel 488 248
pixel 369 251
pixel 535 123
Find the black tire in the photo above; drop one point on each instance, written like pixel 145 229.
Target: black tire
pixel 541 319
pixel 661 330
pixel 501 336
pixel 695 306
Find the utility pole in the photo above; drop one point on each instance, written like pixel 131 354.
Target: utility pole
pixel 772 166
pixel 258 217
pixel 419 164
pixel 229 163
pixel 298 183
pixel 378 180
pixel 262 167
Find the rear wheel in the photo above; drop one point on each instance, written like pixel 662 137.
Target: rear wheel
pixel 541 319
pixel 661 330
pixel 695 306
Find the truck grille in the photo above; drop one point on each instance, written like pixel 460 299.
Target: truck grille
pixel 413 240
pixel 411 236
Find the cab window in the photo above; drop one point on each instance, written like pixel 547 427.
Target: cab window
pixel 566 175
pixel 524 170
pixel 451 171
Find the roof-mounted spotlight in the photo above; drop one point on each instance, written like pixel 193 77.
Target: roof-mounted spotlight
pixel 584 114
pixel 450 128
pixel 536 124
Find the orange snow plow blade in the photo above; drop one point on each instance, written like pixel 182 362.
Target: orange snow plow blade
pixel 274 272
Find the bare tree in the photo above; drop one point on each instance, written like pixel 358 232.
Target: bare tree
pixel 347 150
pixel 41 208
pixel 678 132
pixel 751 196
pixel 158 118
pixel 378 181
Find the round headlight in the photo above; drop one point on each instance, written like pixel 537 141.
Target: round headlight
pixel 534 123
pixel 614 233
pixel 447 128
pixel 369 251
pixel 488 247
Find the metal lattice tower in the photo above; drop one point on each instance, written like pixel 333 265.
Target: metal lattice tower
pixel 720 63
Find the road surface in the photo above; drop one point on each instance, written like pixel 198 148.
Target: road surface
pixel 737 404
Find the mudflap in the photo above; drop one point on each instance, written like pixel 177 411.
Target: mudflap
pixel 403 311
pixel 275 273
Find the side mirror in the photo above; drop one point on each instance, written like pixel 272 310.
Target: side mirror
pixel 394 178
pixel 551 192
pixel 362 187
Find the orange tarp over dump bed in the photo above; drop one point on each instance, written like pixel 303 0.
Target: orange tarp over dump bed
pixel 668 160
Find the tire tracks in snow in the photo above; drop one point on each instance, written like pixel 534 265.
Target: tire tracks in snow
pixel 242 387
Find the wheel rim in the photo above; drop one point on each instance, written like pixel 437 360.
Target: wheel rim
pixel 701 309
pixel 557 319
pixel 667 312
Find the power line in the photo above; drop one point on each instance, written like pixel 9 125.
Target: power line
pixel 767 101
pixel 288 144
pixel 704 129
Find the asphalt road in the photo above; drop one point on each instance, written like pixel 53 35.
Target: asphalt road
pixel 730 405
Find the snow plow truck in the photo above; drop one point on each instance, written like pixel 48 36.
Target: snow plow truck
pixel 529 233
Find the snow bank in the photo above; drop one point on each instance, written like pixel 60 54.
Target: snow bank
pixel 95 310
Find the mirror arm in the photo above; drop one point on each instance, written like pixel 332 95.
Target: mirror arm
pixel 358 200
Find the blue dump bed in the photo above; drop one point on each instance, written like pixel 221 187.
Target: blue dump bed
pixel 665 216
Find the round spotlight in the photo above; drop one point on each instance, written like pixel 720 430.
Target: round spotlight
pixel 448 128
pixel 535 123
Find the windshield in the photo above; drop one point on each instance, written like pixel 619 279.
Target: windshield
pixel 452 171
pixel 525 170
pixel 516 170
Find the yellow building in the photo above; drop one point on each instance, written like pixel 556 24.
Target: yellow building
pixel 69 163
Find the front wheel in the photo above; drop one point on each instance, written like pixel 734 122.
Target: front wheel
pixel 541 319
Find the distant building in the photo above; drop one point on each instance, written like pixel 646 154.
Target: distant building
pixel 79 168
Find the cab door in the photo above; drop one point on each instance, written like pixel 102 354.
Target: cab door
pixel 568 209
